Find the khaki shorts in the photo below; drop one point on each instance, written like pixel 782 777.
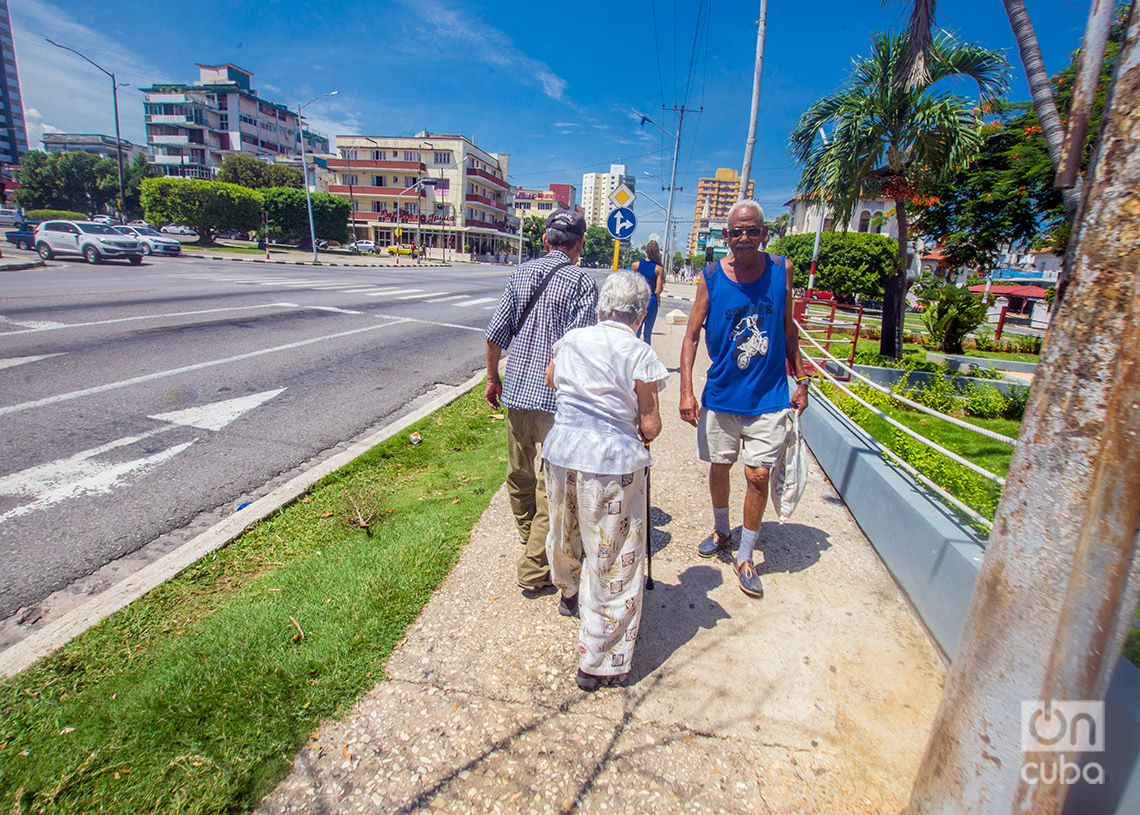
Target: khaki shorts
pixel 719 436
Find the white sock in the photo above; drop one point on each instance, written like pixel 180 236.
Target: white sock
pixel 720 519
pixel 748 539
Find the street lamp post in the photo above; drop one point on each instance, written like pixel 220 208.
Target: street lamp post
pixel 818 235
pixel 115 97
pixel 418 186
pixel 305 172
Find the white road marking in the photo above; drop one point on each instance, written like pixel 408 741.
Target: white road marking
pixel 125 383
pixel 32 325
pixel 219 414
pixel 57 326
pixel 478 302
pixel 86 473
pixel 12 362
pixel 432 322
pixel 335 310
pixel 392 292
pixel 417 296
pixel 445 299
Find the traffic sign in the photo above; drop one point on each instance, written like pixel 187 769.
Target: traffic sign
pixel 621 223
pixel 622 197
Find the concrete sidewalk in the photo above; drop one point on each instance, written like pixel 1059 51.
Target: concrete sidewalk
pixel 817 698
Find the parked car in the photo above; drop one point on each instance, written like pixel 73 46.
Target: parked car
pixel 105 219
pixel 362 246
pixel 95 242
pixel 24 235
pixel 10 217
pixel 140 224
pixel 151 241
pixel 178 229
pixel 233 234
pixel 400 249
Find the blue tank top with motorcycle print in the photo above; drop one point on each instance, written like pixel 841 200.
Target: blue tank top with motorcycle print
pixel 744 334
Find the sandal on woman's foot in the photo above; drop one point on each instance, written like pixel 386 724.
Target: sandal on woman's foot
pixel 591 682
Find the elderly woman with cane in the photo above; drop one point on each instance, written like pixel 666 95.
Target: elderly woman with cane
pixel 597 466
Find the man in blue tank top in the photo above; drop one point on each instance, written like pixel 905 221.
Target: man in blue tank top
pixel 744 305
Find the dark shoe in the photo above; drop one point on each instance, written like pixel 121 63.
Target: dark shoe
pixel 532 592
pixel 749 580
pixel 568 607
pixel 591 682
pixel 711 545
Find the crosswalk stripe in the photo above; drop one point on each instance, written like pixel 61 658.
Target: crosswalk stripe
pixel 477 302
pixel 416 296
pixel 445 299
pixel 389 293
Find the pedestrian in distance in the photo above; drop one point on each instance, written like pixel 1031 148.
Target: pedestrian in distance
pixel 597 463
pixel 744 305
pixel 544 298
pixel 654 273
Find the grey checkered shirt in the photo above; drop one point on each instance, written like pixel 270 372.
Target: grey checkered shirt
pixel 569 301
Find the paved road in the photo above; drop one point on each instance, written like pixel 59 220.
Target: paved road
pixel 134 399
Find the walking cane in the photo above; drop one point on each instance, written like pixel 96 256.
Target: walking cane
pixel 648 529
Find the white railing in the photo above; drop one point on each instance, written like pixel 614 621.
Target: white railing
pixel 981 471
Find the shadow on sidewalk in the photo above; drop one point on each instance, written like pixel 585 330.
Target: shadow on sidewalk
pixel 790 548
pixel 672 614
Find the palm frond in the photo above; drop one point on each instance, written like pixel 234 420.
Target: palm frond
pixel 988 68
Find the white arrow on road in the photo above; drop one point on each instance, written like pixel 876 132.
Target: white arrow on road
pixel 12 362
pixel 91 473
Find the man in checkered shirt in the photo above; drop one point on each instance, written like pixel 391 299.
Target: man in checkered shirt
pixel 569 300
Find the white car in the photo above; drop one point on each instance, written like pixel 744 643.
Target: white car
pixel 177 229
pixel 95 242
pixel 362 246
pixel 152 242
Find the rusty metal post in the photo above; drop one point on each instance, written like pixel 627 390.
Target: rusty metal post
pixel 1001 324
pixel 1060 579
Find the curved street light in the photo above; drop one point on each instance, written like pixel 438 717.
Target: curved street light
pixel 305 172
pixel 115 97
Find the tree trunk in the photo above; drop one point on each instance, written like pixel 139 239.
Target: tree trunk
pixel 1061 578
pixel 894 298
pixel 1043 101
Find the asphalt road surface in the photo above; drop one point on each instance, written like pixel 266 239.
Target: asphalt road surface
pixel 135 398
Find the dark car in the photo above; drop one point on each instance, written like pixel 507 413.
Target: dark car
pixel 24 235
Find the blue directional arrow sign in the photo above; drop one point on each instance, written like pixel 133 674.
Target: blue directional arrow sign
pixel 621 223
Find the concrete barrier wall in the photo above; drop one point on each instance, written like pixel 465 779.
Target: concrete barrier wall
pixel 935 561
pixel 887 377
pixel 965 363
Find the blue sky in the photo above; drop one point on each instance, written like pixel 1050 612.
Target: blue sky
pixel 551 84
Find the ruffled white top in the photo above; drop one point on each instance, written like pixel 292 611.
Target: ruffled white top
pixel 595 423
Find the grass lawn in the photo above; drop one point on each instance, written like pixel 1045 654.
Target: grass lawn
pixel 971 352
pixel 195 698
pixel 237 250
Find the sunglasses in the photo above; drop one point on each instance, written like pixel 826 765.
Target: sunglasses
pixel 750 231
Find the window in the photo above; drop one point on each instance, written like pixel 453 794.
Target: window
pixel 545 205
pixel 379 155
pixel 443 158
pixel 409 181
pixel 409 155
pixel 224 122
pixel 379 206
pixel 349 154
pixel 377 181
pixel 864 221
pixel 223 103
pixel 350 180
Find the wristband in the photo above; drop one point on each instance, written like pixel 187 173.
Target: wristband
pixel 802 379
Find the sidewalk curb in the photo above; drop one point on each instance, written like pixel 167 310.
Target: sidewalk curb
pixel 20 267
pixel 75 622
pixel 307 263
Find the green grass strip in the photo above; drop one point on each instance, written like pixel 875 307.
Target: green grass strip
pixel 195 698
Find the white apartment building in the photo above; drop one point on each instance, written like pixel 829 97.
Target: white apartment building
pixel 191 128
pixel 875 215
pixel 450 191
pixel 597 189
pixel 95 143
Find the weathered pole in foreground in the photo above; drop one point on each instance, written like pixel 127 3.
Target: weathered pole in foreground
pixel 1060 579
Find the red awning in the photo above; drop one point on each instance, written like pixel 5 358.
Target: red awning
pixel 1012 291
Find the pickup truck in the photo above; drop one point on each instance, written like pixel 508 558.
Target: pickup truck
pixel 23 235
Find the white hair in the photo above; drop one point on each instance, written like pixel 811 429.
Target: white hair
pixel 747 203
pixel 624 297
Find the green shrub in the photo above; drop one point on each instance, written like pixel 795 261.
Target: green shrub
pixel 985 401
pixel 955 315
pixel 1016 402
pixel 849 262
pixel 979 493
pixel 55 215
pixel 984 339
pixel 938 393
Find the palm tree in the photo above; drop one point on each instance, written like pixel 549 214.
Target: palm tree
pixel 890 136
pixel 920 27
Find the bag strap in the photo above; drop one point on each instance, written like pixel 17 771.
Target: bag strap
pixel 538 293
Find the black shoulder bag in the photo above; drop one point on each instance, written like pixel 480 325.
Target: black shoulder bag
pixel 538 293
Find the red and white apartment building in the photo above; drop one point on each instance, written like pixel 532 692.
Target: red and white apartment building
pixel 444 187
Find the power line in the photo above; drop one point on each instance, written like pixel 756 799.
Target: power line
pixel 657 49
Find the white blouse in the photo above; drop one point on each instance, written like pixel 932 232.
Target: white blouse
pixel 595 423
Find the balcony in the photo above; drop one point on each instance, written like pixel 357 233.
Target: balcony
pixel 493 180
pixel 183 139
pixel 472 198
pixel 369 164
pixel 178 119
pixel 381 192
pixel 177 161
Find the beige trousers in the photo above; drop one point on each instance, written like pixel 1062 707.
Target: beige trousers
pixel 526 430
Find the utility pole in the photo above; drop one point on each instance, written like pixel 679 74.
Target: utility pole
pixel 1061 576
pixel 750 144
pixel 673 182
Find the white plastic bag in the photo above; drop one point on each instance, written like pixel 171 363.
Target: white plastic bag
pixel 790 472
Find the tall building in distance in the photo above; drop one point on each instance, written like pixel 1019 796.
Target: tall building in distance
pixel 446 188
pixel 14 136
pixel 541 203
pixel 191 128
pixel 715 197
pixel 597 189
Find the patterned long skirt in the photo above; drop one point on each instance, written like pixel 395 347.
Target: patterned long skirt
pixel 596 547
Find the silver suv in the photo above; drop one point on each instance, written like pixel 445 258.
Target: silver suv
pixel 95 242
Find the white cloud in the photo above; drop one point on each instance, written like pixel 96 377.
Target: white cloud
pixel 66 94
pixel 457 30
